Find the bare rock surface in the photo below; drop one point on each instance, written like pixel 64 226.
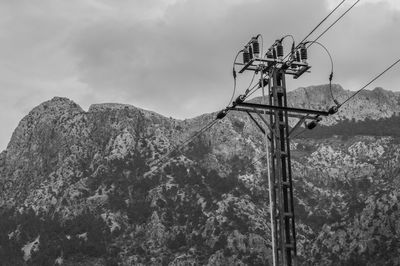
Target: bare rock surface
pixel 90 185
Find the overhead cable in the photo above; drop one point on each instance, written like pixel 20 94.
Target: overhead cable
pixel 322 21
pixel 333 23
pixel 234 77
pixel 316 27
pixel 372 80
pixel 160 162
pixel 331 74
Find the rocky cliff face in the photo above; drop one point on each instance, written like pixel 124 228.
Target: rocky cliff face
pixel 80 188
pixel 374 104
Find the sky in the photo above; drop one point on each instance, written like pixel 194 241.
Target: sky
pixel 175 56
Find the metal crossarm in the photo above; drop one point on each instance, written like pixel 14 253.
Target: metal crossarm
pixel 292 115
pixel 283 108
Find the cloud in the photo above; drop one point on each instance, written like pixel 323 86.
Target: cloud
pixel 362 45
pixel 180 63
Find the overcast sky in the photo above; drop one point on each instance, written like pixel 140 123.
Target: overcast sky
pixel 175 56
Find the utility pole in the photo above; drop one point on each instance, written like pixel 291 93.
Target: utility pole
pixel 275 117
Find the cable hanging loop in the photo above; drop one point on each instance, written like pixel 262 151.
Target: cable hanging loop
pixel 331 73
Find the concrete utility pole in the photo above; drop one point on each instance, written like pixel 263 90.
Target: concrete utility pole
pixel 273 70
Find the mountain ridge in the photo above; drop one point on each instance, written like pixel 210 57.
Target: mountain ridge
pixel 385 103
pixel 87 176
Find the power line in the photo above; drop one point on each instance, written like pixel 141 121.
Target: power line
pixel 251 82
pixel 188 140
pixel 234 76
pixel 257 160
pixel 311 42
pixel 331 74
pixel 257 86
pixel 358 91
pixel 322 21
pixel 281 221
pixel 330 26
pixel 354 94
pixel 209 125
pixel 327 29
pixel 316 27
pixel 253 163
pixel 319 36
pixel 204 129
pixel 160 161
pixel 288 35
pixel 300 133
pixel 252 91
pixel 246 53
pixel 372 80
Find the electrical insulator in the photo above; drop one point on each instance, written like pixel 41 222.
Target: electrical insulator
pixel 221 114
pixel 251 52
pixel 286 65
pixel 303 52
pixel 270 54
pixel 239 100
pixel 274 53
pixel 311 124
pixel 298 56
pixel 246 56
pixel 279 49
pixel 256 47
pixel 265 82
pixel 333 110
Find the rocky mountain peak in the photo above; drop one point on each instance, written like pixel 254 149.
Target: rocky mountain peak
pixel 321 95
pixel 315 95
pixel 101 107
pixel 42 139
pixel 45 115
pixel 56 106
pixel 88 186
pixel 368 104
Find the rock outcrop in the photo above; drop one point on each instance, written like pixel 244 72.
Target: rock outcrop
pixel 88 183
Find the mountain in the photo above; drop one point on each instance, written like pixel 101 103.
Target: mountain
pixel 375 104
pixel 81 188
